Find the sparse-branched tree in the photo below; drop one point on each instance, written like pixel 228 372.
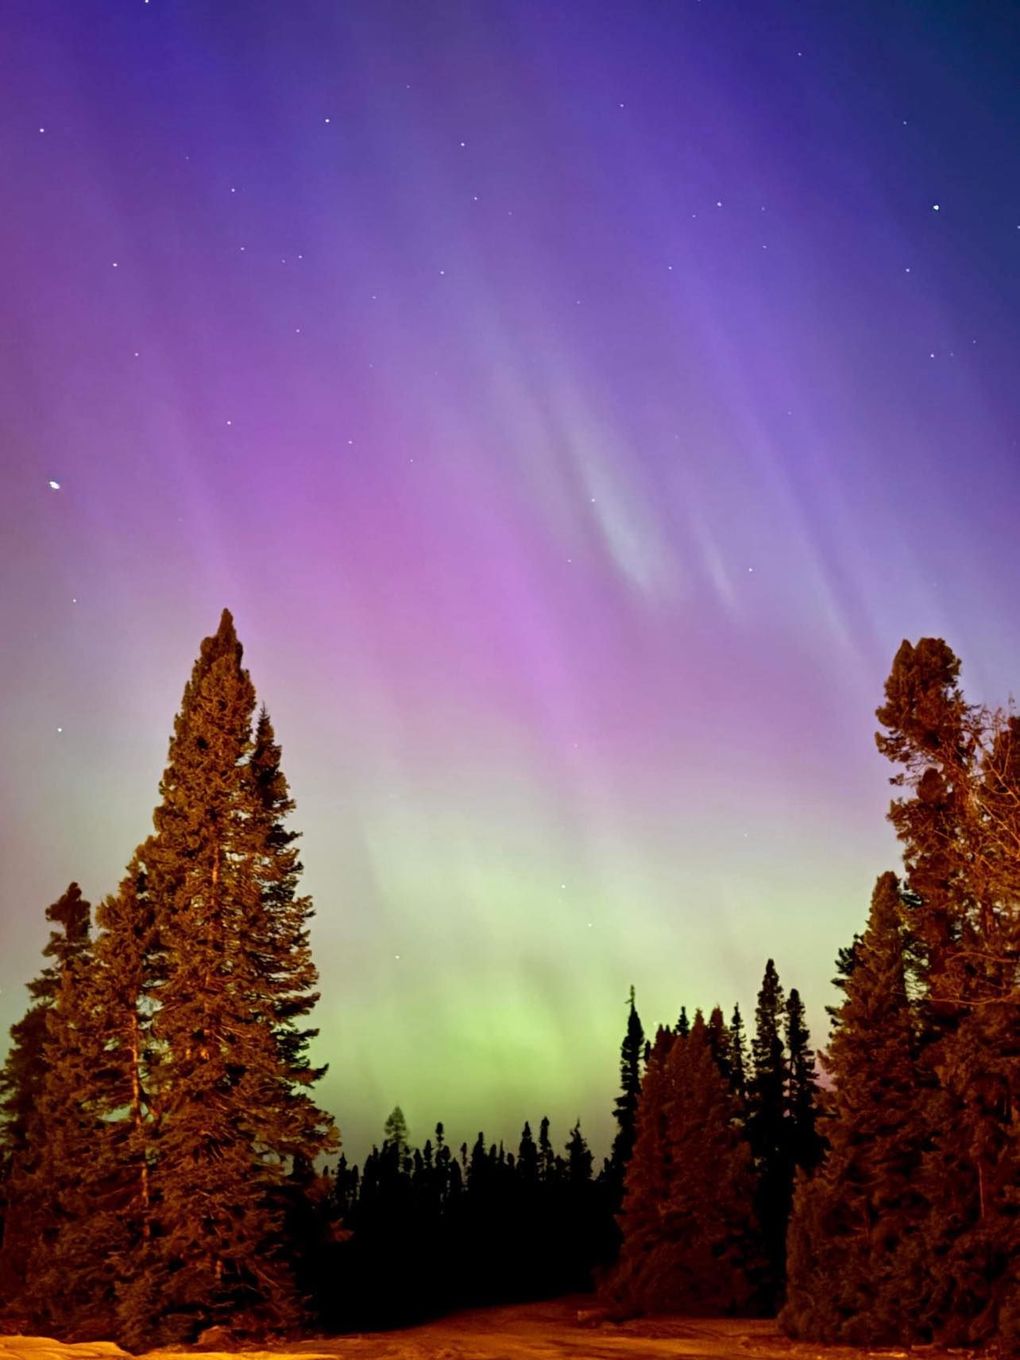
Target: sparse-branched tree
pixel 625 1107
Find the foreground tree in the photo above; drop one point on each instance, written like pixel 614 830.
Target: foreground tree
pixel 959 823
pixel 857 1257
pixel 229 1114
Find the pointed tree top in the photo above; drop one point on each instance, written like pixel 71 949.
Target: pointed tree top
pixel 225 639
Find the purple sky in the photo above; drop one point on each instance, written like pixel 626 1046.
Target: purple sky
pixel 576 403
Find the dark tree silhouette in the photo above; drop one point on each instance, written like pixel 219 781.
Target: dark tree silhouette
pixel 625 1106
pixel 767 1124
pixel 738 1060
pixel 805 1142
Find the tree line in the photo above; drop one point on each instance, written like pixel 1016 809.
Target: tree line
pixel 166 1170
pixel 428 1228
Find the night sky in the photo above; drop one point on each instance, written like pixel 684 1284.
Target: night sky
pixel 576 404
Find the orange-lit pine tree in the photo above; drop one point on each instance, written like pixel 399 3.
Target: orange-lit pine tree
pixel 857 1257
pixel 228 1102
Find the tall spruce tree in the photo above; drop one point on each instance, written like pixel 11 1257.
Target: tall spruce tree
pixel 625 1106
pixel 960 826
pixel 805 1142
pixel 857 1252
pixel 719 1042
pixel 767 1125
pixel 738 1060
pixel 230 976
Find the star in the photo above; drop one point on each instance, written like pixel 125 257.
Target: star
pixel 935 207
pixel 54 486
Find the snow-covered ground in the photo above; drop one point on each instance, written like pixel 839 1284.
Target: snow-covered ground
pixel 542 1331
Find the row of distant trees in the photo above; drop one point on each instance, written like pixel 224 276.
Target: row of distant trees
pixel 160 1143
pixel 431 1227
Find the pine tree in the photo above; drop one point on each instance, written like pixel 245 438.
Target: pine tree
pixel 546 1155
pixel 95 1111
pixel 959 825
pixel 647 1181
pixel 625 1107
pixel 579 1158
pixel 857 1253
pixel 804 1140
pixel 395 1133
pixel 767 1125
pixel 738 1060
pixel 846 959
pixel 230 976
pixel 527 1159
pixel 27 1073
pixel 718 1037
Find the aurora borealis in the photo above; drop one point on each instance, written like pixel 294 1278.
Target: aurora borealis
pixel 575 404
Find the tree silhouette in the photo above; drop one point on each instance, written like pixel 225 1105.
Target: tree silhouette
pixel 857 1263
pixel 625 1106
pixel 767 1123
pixel 804 1141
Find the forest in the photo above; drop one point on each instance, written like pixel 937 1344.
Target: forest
pixel 166 1169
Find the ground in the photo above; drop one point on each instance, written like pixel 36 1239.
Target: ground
pixel 537 1331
